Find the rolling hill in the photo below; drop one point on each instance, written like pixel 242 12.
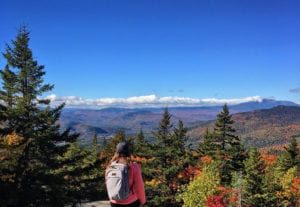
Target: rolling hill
pixel 261 128
pixel 257 123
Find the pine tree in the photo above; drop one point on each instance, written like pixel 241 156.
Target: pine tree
pixel 157 170
pixel 228 146
pixel 141 146
pixel 208 145
pixel 289 158
pixel 105 153
pixel 294 153
pixel 223 129
pixel 9 86
pixel 181 158
pixel 31 160
pixel 180 138
pixel 81 175
pixel 163 137
pixel 11 150
pixel 225 133
pixel 170 156
pixel 253 180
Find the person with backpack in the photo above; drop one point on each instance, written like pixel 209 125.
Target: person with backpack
pixel 124 182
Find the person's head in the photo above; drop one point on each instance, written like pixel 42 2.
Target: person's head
pixel 122 153
pixel 123 149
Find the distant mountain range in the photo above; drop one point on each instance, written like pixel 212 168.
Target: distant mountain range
pixel 265 128
pixel 252 115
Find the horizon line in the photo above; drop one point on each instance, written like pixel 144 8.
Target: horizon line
pixel 151 101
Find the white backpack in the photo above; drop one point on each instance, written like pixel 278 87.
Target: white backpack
pixel 117 181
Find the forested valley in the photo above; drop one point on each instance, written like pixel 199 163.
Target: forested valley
pixel 40 165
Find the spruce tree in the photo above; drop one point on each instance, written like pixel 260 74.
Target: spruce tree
pixel 208 147
pixel 293 153
pixel 182 158
pixel 157 170
pixel 180 138
pixel 95 185
pixel 169 154
pixel 225 133
pixel 252 194
pixel 141 146
pixel 288 158
pixel 229 147
pixel 81 175
pixel 31 160
pixel 9 85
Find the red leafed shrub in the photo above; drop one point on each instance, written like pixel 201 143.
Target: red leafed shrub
pixel 225 197
pixel 206 159
pixel 215 201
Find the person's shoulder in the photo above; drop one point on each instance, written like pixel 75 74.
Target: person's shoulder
pixel 135 165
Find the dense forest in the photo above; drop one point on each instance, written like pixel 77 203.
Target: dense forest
pixel 40 165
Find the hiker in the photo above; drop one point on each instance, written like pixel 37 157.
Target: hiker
pixel 131 191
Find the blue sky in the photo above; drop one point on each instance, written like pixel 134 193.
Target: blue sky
pixel 161 51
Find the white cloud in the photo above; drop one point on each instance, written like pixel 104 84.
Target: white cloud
pixel 144 101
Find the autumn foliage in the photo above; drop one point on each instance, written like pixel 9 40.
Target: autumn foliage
pixel 215 201
pixel 42 165
pixel 12 139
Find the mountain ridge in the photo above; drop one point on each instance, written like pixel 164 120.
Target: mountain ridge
pixel 109 121
pixel 264 128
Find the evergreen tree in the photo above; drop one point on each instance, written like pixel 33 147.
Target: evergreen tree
pixel 11 149
pixel 162 156
pixel 270 186
pixel 95 188
pixel 294 152
pixel 163 138
pixel 225 134
pixel 180 138
pixel 9 85
pixel 169 154
pixel 228 146
pixel 253 180
pixel 80 173
pixel 29 161
pixel 105 153
pixel 223 130
pixel 289 158
pixel 208 145
pixel 181 157
pixel 141 146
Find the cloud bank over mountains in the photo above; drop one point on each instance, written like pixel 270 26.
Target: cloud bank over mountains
pixel 144 101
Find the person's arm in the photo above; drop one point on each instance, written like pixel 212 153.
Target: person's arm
pixel 139 188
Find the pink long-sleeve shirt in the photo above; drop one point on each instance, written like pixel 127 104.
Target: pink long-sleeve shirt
pixel 136 184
